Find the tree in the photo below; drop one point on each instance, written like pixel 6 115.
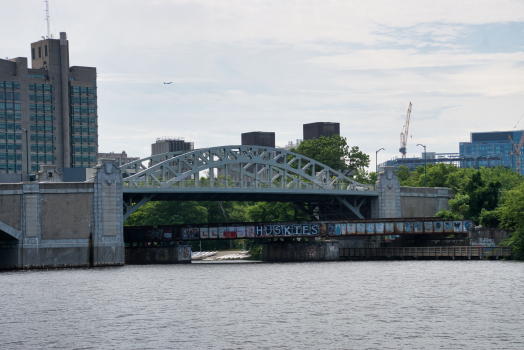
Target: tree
pixel 334 152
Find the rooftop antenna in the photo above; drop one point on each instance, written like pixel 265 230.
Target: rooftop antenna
pixel 47 17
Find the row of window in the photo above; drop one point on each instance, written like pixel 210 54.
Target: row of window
pixel 10 106
pixel 10 126
pixel 91 130
pixel 41 118
pixel 82 110
pixel 9 96
pixel 40 87
pixel 10 117
pixel 39 52
pixel 84 149
pixel 42 158
pixel 83 100
pixel 39 108
pixel 83 120
pixel 10 147
pixel 10 137
pixel 84 140
pixel 9 85
pixel 84 159
pixel 77 90
pixel 42 148
pixel 41 138
pixel 41 128
pixel 41 98
pixel 10 157
pixel 15 168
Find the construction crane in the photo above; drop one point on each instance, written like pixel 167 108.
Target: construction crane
pixel 516 150
pixel 404 134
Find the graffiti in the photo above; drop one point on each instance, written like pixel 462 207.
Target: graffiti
pixel 438 226
pixel 352 229
pixel 379 227
pixel 390 227
pixel 428 227
pixel 448 226
pixel 231 232
pixel 467 225
pixel 457 226
pixel 399 227
pixel 361 229
pixel 250 231
pixel 418 227
pixel 184 252
pixel 241 232
pixel 483 242
pixel 338 231
pixel 408 227
pixel 213 232
pixel 343 228
pixel 204 233
pixel 222 232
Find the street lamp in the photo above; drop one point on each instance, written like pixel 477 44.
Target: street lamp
pixel 376 158
pixel 425 162
pixel 26 153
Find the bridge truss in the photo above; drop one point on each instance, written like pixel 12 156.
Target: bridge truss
pixel 245 173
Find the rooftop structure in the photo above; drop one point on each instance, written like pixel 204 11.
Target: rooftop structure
pixel 315 130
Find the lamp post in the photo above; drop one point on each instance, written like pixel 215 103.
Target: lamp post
pixel 425 162
pixel 26 153
pixel 376 159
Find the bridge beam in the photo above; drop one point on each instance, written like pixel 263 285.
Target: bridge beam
pixel 355 210
pixel 130 208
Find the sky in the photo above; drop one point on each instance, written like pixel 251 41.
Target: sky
pixel 244 65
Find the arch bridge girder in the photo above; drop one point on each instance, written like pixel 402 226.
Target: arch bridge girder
pixel 244 168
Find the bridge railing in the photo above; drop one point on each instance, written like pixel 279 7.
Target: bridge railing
pixel 260 184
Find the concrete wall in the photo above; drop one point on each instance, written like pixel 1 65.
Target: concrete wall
pixel 56 224
pixel 419 202
pixel 159 255
pixel 300 251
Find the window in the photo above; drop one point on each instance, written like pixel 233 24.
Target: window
pixel 40 118
pixel 19 167
pixel 17 86
pixel 34 167
pixel 9 85
pixel 9 96
pixel 32 137
pixel 84 120
pixel 17 96
pixel 18 116
pixel 71 78
pixel 39 98
pixel 32 97
pixel 41 158
pixel 77 129
pixel 78 149
pixel 33 52
pixel 49 158
pixel 91 101
pixel 117 161
pixel 45 50
pixel 18 137
pixel 18 107
pixel 32 107
pixel 2 147
pixel 39 108
pixel 2 117
pixel 92 140
pixel 93 159
pixel 78 159
pixel 2 106
pixel 11 126
pixel 91 91
pixel 18 126
pixel 49 148
pixel 48 108
pixel 9 106
pixel 84 110
pixel 76 110
pixel 48 98
pixel 3 157
pixel 48 118
pixel 39 87
pixel 91 110
pixel 83 90
pixel 49 128
pixel 92 149
pixel 2 95
pixel 92 130
pixel 33 149
pixel 84 130
pixel 85 159
pixel 91 120
pixel 18 157
pixel 84 100
pixel 11 147
pixel 75 89
pixel 76 120
pixel 32 87
pixel 85 149
pixel 47 87
pixel 41 148
pixel 78 139
pixel 10 137
pixel 32 127
pixel 18 146
pixel 39 128
pixel 11 167
pixel 40 52
pixel 85 140
pixel 40 138
pixel 48 138
pixel 76 99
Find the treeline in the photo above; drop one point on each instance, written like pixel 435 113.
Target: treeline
pixel 491 197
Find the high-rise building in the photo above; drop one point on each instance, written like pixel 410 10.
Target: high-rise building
pixel 120 158
pixel 491 148
pixel 315 130
pixel 55 103
pixel 259 138
pixel 170 144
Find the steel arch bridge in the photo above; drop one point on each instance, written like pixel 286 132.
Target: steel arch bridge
pixel 245 173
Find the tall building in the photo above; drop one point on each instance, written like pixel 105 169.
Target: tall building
pixel 315 130
pixel 259 138
pixel 491 148
pixel 121 158
pixel 170 144
pixel 55 103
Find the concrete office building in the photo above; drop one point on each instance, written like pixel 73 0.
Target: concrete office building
pixel 259 138
pixel 170 144
pixel 491 149
pixel 55 103
pixel 120 158
pixel 315 130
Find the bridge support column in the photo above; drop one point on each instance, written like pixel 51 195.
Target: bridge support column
pixel 387 205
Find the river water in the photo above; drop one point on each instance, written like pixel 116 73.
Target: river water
pixel 332 305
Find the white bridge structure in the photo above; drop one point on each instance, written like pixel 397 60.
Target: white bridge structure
pixel 245 173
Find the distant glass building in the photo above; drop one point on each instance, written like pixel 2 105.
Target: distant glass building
pixel 489 149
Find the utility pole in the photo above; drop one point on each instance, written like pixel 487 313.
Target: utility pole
pixel 425 162
pixel 376 159
pixel 47 17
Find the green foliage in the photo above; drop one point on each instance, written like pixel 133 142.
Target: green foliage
pixel 274 211
pixel 362 176
pixel 334 152
pixel 490 218
pixel 445 214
